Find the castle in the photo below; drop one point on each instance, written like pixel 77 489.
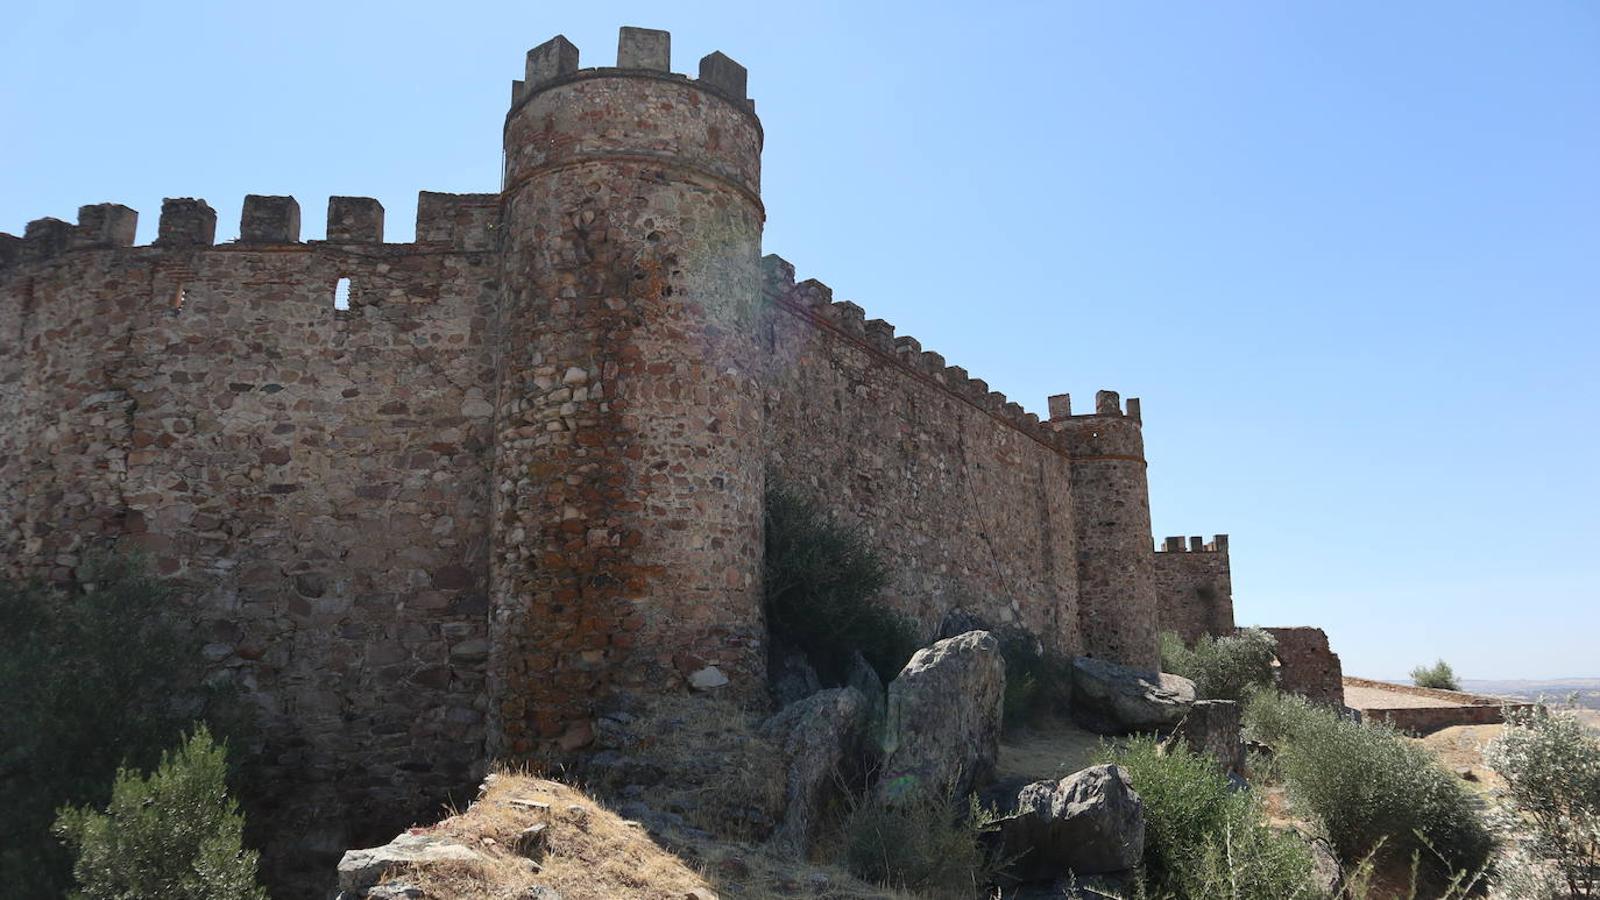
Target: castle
pixel 435 501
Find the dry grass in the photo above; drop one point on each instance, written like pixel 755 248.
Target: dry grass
pixel 1460 747
pixel 593 853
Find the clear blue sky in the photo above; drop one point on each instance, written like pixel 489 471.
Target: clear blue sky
pixel 1347 253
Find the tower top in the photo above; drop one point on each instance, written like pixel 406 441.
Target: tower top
pixel 640 51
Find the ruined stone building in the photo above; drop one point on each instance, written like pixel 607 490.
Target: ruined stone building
pixel 434 501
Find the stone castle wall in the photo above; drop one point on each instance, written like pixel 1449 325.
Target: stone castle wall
pixel 315 480
pixel 968 501
pixel 1308 666
pixel 524 469
pixel 1194 587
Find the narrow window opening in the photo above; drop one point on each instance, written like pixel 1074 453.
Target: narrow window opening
pixel 341 295
pixel 180 296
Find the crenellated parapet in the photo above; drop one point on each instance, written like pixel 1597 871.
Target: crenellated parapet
pixel 813 301
pixel 640 52
pixel 1193 544
pixel 445 222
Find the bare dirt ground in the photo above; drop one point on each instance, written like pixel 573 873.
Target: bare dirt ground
pixel 1051 749
pixel 1460 749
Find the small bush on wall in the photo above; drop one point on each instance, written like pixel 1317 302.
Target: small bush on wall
pixel 821 583
pixel 174 834
pixel 94 675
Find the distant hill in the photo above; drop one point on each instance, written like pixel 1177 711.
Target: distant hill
pixel 1555 690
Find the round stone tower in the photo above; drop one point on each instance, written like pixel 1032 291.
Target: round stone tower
pixel 626 542
pixel 1117 608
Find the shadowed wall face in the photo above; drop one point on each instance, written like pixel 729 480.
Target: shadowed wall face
pixel 315 481
pixel 1194 587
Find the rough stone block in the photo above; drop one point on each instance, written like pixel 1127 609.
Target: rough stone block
pixel 186 221
pixel 106 225
pixel 722 73
pixel 644 48
pixel 355 219
pixel 1060 406
pixel 269 220
pixel 46 237
pixel 463 221
pixel 1107 403
pixel 778 273
pixel 551 60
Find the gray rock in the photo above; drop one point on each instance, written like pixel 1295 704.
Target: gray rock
pixel 534 841
pixel 707 679
pixel 821 737
pixel 1089 823
pixel 1111 699
pixel 395 892
pixel 1213 728
pixel 957 622
pixel 1326 873
pixel 864 678
pixel 794 680
pixel 942 728
pixel 361 869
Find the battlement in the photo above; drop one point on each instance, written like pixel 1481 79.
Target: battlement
pixel 814 300
pixel 1106 404
pixel 1194 544
pixel 643 52
pixel 463 222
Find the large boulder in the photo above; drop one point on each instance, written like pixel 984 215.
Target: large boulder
pixel 1112 699
pixel 1213 728
pixel 942 726
pixel 361 869
pixel 1089 823
pixel 821 737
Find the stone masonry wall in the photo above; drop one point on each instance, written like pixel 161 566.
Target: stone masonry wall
pixel 314 479
pixel 627 521
pixel 964 494
pixel 1194 587
pixel 1307 666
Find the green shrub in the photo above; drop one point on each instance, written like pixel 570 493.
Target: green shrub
pixel 1439 675
pixel 1551 765
pixel 821 579
pixel 174 835
pixel 94 675
pixel 1038 681
pixel 1370 786
pixel 927 845
pixel 1223 668
pixel 1203 840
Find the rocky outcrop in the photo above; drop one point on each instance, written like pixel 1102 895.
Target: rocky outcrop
pixel 1213 728
pixel 1089 823
pixel 793 679
pixel 359 870
pixel 1111 699
pixel 942 727
pixel 822 738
